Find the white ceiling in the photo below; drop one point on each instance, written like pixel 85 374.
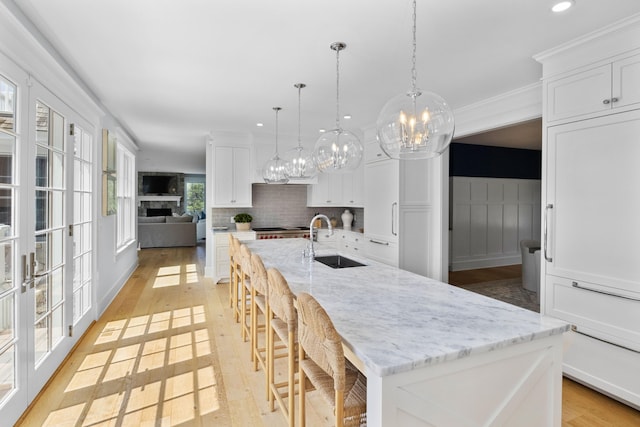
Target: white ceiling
pixel 173 70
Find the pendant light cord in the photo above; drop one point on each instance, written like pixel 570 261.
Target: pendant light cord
pixel 300 86
pixel 277 110
pixel 414 74
pixel 337 88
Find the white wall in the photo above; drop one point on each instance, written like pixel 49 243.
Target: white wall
pixel 34 55
pixel 489 218
pixel 163 160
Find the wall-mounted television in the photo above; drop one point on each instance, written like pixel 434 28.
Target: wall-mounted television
pixel 157 184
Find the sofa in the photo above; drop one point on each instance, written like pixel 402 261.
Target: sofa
pixel 166 231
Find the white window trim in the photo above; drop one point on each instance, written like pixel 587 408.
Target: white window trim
pixel 127 188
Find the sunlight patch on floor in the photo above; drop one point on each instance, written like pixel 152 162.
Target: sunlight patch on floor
pixel 123 382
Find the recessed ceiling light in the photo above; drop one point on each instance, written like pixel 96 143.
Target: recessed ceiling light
pixel 322 130
pixel 259 124
pixel 561 6
pixel 347 116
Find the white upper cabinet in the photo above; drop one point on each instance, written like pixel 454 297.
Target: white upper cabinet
pixel 231 177
pixel 341 189
pixel 353 188
pixel 327 192
pixel 598 90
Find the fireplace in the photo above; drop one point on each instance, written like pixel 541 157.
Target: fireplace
pixel 159 212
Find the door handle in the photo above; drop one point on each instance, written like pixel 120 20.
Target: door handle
pixel 25 274
pixel 546 221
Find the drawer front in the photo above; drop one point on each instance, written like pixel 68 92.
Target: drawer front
pixel 379 250
pixel 609 368
pixel 613 318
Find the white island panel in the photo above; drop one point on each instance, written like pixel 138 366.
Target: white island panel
pixel 426 344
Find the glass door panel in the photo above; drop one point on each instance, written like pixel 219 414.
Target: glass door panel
pixel 9 284
pixel 82 222
pixel 48 268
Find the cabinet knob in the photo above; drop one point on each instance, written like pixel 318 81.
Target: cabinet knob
pixel 614 99
pixel 606 101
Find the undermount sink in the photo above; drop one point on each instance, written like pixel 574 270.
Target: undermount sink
pixel 337 261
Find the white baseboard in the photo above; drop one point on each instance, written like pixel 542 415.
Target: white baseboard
pixel 473 264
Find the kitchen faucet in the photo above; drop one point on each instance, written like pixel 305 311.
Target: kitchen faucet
pixel 312 253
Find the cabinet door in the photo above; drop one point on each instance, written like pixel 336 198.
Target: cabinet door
pixel 579 94
pixel 626 82
pixel 593 202
pixel 327 192
pixel 222 176
pixel 242 177
pixel 381 200
pixel 353 188
pixel 231 177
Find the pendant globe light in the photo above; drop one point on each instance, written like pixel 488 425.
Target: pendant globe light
pixel 273 171
pixel 298 162
pixel 415 124
pixel 337 150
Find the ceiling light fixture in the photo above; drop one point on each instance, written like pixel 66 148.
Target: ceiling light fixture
pixel 561 6
pixel 337 150
pixel 415 124
pixel 273 171
pixel 259 125
pixel 298 162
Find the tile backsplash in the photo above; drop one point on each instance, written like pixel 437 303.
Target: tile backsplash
pixel 283 205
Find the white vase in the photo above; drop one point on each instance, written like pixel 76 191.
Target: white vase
pixel 347 218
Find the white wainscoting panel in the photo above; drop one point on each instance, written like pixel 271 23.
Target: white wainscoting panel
pixel 489 218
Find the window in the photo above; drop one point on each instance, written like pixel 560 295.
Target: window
pixel 194 194
pixel 126 190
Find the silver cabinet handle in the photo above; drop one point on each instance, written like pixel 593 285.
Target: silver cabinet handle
pixel 546 220
pixel 393 222
pixel 611 294
pixel 377 242
pixel 606 101
pixel 574 328
pixel 614 99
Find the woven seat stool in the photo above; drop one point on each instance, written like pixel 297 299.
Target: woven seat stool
pixel 259 310
pixel 321 360
pixel 244 300
pixel 281 323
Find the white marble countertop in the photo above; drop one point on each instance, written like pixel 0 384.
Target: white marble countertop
pixel 396 321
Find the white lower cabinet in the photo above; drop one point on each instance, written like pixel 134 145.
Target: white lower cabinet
pixel 382 251
pixel 350 242
pixel 221 252
pixel 603 347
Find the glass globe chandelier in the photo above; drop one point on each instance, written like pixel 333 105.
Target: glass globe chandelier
pixel 337 150
pixel 273 171
pixel 415 124
pixel 298 162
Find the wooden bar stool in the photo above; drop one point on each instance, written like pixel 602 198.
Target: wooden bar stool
pixel 282 322
pixel 259 309
pixel 244 302
pixel 232 268
pixel 321 360
pixel 236 281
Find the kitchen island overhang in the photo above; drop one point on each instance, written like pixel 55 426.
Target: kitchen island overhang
pixel 432 351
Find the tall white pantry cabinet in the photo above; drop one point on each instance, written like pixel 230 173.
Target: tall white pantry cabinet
pixel 591 205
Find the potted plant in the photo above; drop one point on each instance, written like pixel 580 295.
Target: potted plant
pixel 243 221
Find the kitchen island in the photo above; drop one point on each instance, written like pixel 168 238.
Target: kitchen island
pixel 433 354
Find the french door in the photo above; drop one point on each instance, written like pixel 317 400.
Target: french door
pixel 46 233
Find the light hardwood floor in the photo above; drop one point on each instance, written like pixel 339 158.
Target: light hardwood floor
pixel 167 352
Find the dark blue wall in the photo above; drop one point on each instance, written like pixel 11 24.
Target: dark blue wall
pixel 494 162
